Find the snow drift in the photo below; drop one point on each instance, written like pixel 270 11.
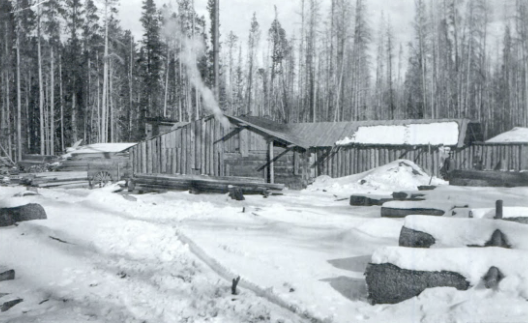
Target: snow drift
pixel 399 175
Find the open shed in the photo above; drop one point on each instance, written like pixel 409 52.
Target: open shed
pixel 295 153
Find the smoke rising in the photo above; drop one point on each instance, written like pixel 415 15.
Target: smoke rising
pixel 188 51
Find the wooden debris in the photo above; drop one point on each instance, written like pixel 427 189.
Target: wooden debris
pixel 235 193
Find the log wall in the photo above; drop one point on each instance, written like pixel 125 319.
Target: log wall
pixel 343 161
pixel 205 147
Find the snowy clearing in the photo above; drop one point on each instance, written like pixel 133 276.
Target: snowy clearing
pixel 170 257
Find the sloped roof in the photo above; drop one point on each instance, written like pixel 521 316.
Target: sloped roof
pixel 326 134
pixel 517 134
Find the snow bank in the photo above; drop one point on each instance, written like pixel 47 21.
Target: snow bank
pixel 472 263
pixel 399 175
pixel 463 232
pixel 517 134
pixel 440 133
pixel 507 212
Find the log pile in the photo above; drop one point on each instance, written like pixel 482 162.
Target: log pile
pixel 77 179
pixel 201 184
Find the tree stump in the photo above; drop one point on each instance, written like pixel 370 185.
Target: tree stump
pixel 498 239
pixel 493 277
pixel 11 215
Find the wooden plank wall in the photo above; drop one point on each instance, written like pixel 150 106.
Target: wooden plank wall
pixel 357 159
pixel 188 150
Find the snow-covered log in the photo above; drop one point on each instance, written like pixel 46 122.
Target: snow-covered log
pixel 389 284
pixel 11 215
pixel 396 274
pixel 6 273
pixel 424 231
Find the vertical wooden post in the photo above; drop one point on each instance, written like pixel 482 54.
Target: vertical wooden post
pixel 271 164
pixel 498 209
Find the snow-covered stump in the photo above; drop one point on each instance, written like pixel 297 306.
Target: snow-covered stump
pixel 389 284
pixel 11 215
pixel 396 274
pixel 509 213
pixel 425 231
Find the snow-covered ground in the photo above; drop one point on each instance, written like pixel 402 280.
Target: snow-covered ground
pixel 170 257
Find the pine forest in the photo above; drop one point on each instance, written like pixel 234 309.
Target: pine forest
pixel 69 71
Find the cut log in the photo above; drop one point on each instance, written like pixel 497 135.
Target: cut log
pixel 426 187
pixel 389 284
pixel 462 232
pixel 11 215
pixel 7 305
pixel 361 200
pixel 415 239
pixel 389 212
pixel 405 196
pixel 6 274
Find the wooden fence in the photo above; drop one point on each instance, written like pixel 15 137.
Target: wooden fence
pixel 343 161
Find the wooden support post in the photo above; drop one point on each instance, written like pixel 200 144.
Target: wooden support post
pixel 271 163
pixel 498 209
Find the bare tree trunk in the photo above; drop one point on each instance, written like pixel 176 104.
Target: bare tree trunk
pixel 216 49
pixel 19 101
pixel 104 126
pixel 52 103
pixel 41 87
pixel 61 104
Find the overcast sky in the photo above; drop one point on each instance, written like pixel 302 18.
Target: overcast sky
pixel 235 15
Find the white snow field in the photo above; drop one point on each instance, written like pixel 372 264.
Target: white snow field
pixel 170 257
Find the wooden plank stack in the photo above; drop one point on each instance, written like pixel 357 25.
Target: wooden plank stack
pixel 201 184
pixel 77 179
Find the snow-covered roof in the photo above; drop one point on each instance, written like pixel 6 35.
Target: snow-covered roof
pixel 517 134
pixel 437 133
pixel 103 148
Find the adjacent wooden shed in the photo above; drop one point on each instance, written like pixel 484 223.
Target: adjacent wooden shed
pixel 294 154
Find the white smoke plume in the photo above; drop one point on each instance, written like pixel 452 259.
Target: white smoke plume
pixel 189 50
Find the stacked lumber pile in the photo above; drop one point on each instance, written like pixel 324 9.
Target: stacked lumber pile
pixel 201 184
pixel 56 179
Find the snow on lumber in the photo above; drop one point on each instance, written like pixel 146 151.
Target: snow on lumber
pixel 517 134
pixel 399 175
pixel 99 148
pixel 472 263
pixel 461 232
pixel 507 212
pixel 439 133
